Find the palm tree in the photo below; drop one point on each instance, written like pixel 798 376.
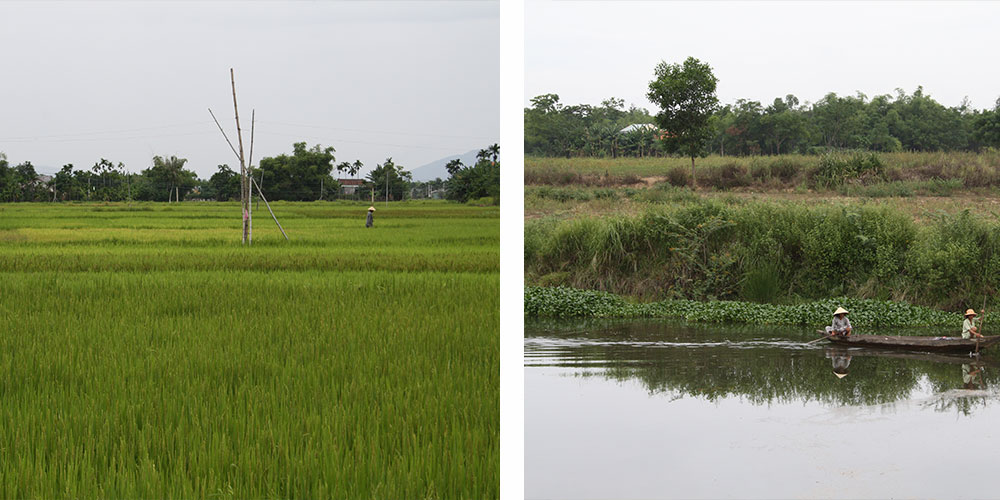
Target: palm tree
pixel 494 151
pixel 454 166
pixel 355 168
pixel 172 167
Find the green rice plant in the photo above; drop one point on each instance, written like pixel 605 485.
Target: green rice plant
pixel 149 354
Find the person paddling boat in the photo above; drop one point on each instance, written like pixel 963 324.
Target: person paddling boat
pixel 841 325
pixel 969 328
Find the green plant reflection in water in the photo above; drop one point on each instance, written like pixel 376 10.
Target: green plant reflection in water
pixel 761 366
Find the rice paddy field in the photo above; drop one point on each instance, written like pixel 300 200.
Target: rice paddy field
pixel 145 352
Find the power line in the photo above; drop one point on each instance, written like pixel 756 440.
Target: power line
pixel 377 131
pixel 336 140
pixel 100 139
pixel 120 131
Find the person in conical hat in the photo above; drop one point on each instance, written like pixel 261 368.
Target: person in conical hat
pixel 841 325
pixel 969 329
pixel 370 220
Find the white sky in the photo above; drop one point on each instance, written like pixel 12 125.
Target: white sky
pixel 416 81
pixel 589 51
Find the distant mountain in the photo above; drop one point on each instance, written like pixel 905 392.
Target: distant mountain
pixel 436 168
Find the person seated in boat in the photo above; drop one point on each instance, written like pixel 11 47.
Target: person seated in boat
pixel 841 325
pixel 969 325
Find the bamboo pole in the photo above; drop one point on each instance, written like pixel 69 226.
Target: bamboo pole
pixel 244 185
pixel 268 205
pixel 253 119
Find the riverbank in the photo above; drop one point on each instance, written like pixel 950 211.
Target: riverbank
pixel 770 252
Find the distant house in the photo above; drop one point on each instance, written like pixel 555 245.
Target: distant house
pixel 660 133
pixel 44 180
pixel 350 186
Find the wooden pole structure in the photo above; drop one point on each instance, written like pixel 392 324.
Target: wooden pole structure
pixel 249 179
pixel 244 185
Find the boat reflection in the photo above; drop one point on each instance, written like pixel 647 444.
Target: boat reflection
pixel 949 394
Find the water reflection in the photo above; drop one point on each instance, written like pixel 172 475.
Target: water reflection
pixel 651 409
pixel 760 365
pixel 841 360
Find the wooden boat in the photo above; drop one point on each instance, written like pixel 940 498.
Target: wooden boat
pixel 912 343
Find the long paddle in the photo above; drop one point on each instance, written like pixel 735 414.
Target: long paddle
pixel 821 338
pixel 981 320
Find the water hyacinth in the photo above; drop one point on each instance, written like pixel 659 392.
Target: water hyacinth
pixel 565 302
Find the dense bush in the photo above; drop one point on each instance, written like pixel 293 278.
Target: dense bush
pixel 678 176
pixel 713 250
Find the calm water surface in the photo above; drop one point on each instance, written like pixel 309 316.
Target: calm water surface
pixel 662 410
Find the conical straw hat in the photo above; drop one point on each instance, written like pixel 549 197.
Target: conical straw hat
pixel 840 310
pixel 970 312
pixel 371 209
pixel 840 375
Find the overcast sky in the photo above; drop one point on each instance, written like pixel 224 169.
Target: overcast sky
pixel 416 81
pixel 589 51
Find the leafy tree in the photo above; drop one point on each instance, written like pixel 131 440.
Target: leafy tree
pixel 25 185
pixel 300 176
pixel 987 126
pixel 7 185
pixel 66 185
pixel 225 184
pixel 163 179
pixel 685 94
pixel 479 181
pixel 171 172
pixel 109 181
pixel 391 176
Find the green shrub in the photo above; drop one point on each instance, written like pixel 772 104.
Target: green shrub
pixel 678 176
pixel 727 176
pixel 834 169
pixel 784 168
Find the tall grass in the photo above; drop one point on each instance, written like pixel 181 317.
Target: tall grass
pixel 770 252
pixel 830 171
pixel 170 362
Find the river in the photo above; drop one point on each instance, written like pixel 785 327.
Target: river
pixel 649 409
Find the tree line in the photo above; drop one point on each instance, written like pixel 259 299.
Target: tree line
pixel 304 175
pixel 884 123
